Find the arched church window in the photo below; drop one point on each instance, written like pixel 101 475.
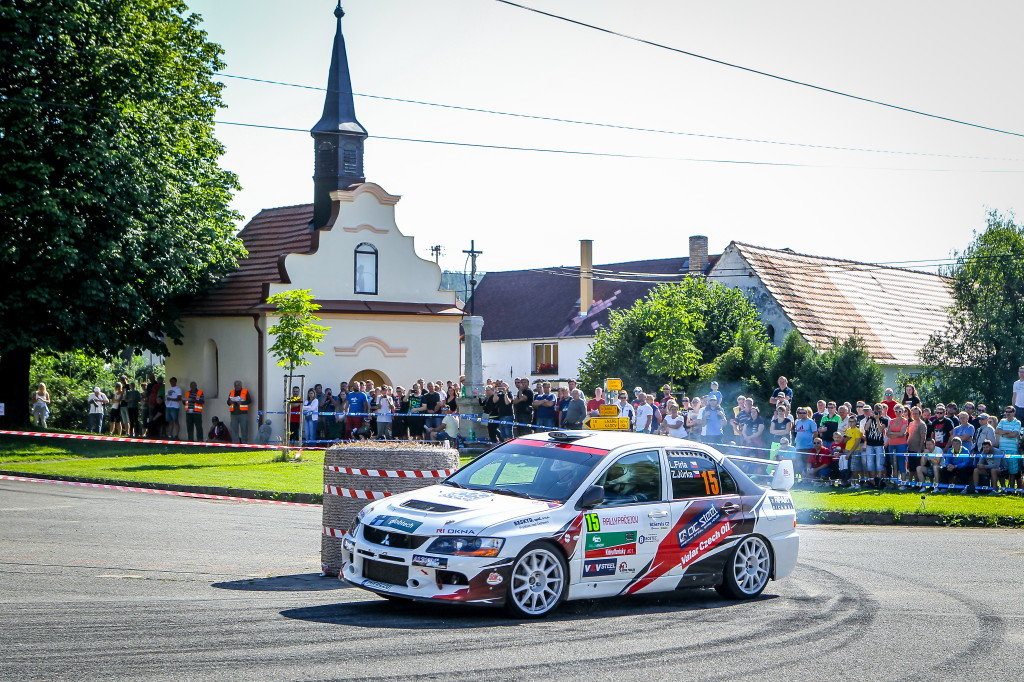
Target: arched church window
pixel 211 369
pixel 366 269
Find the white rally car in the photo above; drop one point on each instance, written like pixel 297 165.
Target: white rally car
pixel 578 515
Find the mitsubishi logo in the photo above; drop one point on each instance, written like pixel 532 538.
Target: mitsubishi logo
pixel 386 540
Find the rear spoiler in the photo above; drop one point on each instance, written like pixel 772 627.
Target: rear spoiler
pixel 783 477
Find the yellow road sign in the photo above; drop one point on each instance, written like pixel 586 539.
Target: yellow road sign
pixel 607 423
pixel 608 410
pixel 613 384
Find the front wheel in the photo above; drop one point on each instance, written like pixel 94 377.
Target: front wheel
pixel 747 570
pixel 538 582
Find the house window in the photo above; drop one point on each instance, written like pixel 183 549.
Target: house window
pixel 545 358
pixel 366 269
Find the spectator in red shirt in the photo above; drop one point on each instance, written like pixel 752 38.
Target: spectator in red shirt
pixel 819 461
pixel 890 404
pixel 595 403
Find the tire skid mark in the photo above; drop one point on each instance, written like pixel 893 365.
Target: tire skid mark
pixel 992 630
pixel 844 611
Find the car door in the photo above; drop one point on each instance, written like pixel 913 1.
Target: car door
pixel 708 515
pixel 623 532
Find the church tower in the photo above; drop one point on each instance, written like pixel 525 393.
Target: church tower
pixel 337 137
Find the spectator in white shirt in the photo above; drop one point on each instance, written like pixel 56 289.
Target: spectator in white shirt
pixel 644 415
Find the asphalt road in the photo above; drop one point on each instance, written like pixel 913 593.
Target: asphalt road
pixel 100 584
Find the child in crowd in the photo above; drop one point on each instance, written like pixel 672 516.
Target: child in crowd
pixel 854 437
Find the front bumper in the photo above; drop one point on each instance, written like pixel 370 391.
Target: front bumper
pixel 415 574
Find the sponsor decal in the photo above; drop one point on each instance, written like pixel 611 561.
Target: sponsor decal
pixel 594 568
pixel 361 514
pixel 466 495
pixel 699 526
pixel 644 539
pixel 624 568
pixel 623 520
pixel 659 525
pixel 530 521
pixel 429 561
pixel 781 502
pixel 701 548
pixel 494 578
pixel 374 585
pixel 593 523
pixel 452 531
pixel 611 544
pixel 407 525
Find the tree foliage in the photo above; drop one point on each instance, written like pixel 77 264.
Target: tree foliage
pixel 977 356
pixel 671 333
pixel 296 333
pixel 691 333
pixel 114 211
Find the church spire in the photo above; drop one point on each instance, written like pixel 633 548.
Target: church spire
pixel 337 137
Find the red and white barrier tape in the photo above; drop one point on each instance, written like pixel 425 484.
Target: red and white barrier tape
pixel 119 439
pixel 334 532
pixel 393 473
pixel 358 494
pixel 177 493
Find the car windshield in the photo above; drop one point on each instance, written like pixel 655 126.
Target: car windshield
pixel 532 469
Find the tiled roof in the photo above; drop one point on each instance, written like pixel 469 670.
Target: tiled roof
pixel 894 310
pixel 539 304
pixel 272 233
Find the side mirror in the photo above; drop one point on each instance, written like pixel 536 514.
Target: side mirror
pixel 784 476
pixel 593 496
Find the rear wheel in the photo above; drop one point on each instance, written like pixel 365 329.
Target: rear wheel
pixel 538 582
pixel 747 570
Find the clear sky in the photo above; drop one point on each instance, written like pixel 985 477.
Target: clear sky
pixel 528 209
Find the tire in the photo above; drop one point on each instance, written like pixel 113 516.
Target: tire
pixel 748 569
pixel 538 582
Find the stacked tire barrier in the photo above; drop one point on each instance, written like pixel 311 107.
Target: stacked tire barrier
pixel 357 473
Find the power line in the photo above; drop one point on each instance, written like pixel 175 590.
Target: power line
pixel 740 162
pixel 616 126
pixel 758 72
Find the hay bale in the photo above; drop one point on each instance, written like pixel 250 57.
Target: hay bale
pixel 339 512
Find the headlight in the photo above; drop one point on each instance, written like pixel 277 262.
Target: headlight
pixel 353 528
pixel 348 544
pixel 460 545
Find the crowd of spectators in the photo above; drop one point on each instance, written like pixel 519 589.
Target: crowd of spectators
pixel 865 444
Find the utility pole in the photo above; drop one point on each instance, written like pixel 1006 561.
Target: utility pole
pixel 473 253
pixel 435 251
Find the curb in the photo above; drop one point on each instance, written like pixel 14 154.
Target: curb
pixel 304 498
pixel 815 516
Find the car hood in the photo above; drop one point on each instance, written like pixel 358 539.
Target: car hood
pixel 444 510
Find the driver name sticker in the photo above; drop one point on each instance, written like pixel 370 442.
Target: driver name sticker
pixel 610 544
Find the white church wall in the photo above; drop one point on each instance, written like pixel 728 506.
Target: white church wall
pixel 215 352
pixel 400 348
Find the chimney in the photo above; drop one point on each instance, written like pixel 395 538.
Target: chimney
pixel 698 254
pixel 586 275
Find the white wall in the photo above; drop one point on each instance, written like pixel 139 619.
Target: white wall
pixel 508 359
pixel 237 356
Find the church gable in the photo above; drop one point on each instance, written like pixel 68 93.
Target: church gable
pixel 363 256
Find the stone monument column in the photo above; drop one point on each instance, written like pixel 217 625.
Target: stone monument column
pixel 470 404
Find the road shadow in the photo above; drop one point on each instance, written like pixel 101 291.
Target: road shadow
pixel 382 613
pixel 303 582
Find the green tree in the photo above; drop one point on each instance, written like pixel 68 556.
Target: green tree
pixel 114 212
pixel 977 356
pixel 671 334
pixel 296 333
